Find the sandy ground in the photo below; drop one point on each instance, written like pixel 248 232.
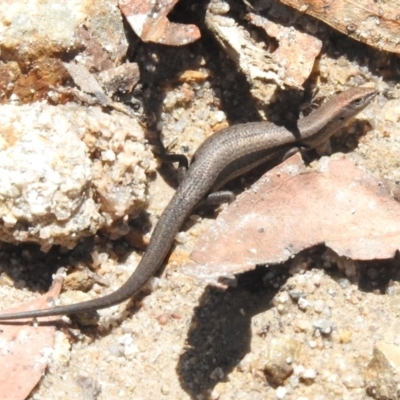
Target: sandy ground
pixel 186 340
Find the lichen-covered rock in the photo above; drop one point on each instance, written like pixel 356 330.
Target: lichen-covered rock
pixel 67 171
pixel 31 30
pixel 37 35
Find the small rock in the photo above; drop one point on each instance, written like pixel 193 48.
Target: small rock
pixel 345 336
pixel 302 325
pixel 323 325
pixel 214 395
pixel 79 180
pixel 219 8
pixel 296 294
pixel 319 306
pixel 276 367
pixel 78 280
pixel 344 283
pixel 217 374
pixel 352 381
pixel 382 374
pixel 282 303
pixel 308 375
pixel 303 303
pixel 280 392
pixel 165 390
pixel 312 344
pixel 90 388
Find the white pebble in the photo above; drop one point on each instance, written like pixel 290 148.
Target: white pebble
pixel 280 392
pixel 352 381
pixel 181 237
pixel 303 303
pixel 319 306
pixel 309 374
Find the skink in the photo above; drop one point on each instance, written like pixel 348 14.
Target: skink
pixel 223 156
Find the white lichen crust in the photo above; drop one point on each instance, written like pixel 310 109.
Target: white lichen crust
pixel 68 171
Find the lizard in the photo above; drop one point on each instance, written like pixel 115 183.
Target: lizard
pixel 225 155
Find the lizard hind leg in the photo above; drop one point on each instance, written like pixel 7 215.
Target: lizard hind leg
pixel 181 160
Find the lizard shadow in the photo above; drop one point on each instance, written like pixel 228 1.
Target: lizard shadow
pixel 220 331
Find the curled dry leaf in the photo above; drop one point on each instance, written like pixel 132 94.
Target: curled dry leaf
pixel 26 349
pixel 290 209
pixel 149 20
pixel 257 65
pixel 296 53
pixel 375 23
pixel 283 66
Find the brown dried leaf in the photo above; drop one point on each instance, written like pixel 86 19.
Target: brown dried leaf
pixel 290 209
pixel 297 65
pixel 375 23
pixel 26 349
pixel 149 20
pixel 87 82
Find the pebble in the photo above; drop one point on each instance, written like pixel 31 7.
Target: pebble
pixel 219 8
pixel 115 350
pixel 309 374
pixel 295 294
pixel 303 303
pixel 214 395
pixel 302 325
pixel 280 392
pixel 181 237
pixel 312 344
pixel 344 283
pixel 319 306
pixel 323 325
pixel 217 374
pixel 217 117
pixel 294 381
pixel 352 381
pixel 130 351
pixel 298 370
pixel 345 336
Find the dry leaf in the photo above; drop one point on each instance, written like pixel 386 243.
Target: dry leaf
pixel 290 209
pixel 88 83
pixel 149 20
pixel 296 53
pixel 374 22
pixel 256 64
pixel 25 349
